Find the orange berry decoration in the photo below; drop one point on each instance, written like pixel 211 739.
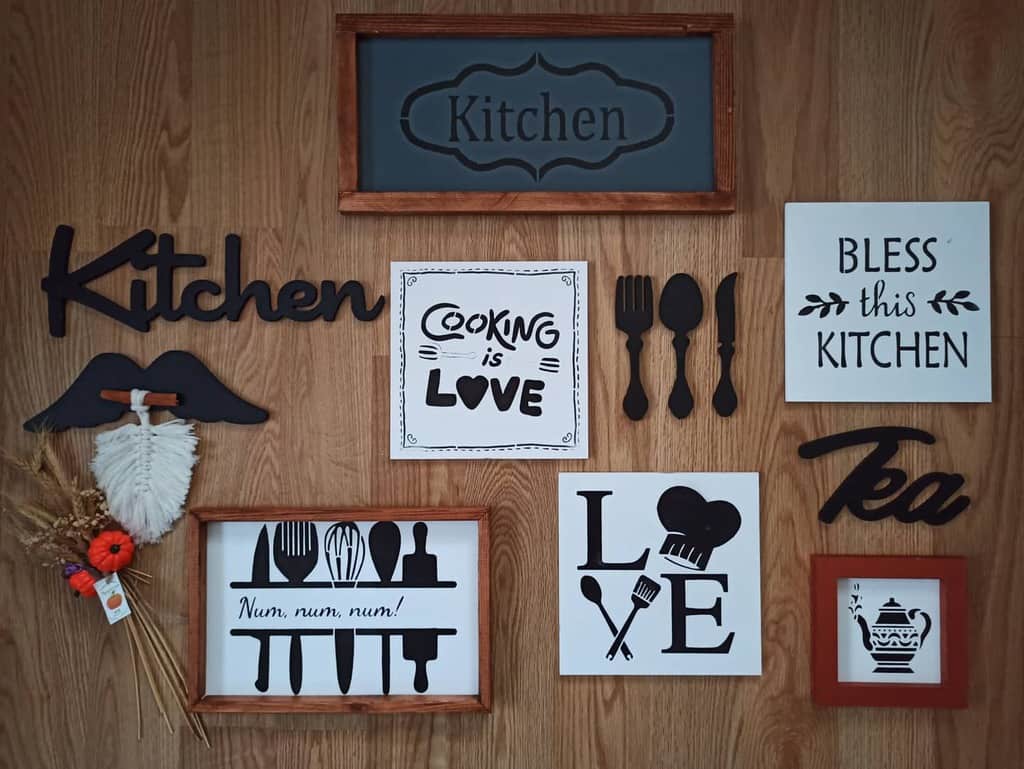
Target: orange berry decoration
pixel 111 551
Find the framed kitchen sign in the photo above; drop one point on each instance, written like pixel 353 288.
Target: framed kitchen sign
pixel 347 610
pixel 535 113
pixel 889 631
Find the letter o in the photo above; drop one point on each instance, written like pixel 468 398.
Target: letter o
pixel 452 321
pixel 473 321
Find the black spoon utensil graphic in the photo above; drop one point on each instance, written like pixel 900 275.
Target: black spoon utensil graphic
pixel 681 309
pixel 591 590
pixel 385 542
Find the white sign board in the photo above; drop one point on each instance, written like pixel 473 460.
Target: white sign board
pixel 888 302
pixel 659 574
pixel 342 608
pixel 489 360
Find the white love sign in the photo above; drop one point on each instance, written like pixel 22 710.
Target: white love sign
pixel 489 360
pixel 888 302
pixel 659 574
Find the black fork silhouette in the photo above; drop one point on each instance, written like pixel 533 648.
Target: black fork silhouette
pixel 295 549
pixel 634 315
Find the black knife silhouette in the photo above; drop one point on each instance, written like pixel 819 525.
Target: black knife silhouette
pixel 724 400
pixel 263 663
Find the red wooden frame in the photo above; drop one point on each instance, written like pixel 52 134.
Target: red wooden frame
pixel 719 27
pixel 826 689
pixel 199 701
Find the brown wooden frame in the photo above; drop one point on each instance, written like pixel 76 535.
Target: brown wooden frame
pixel 196 568
pixel 720 27
pixel 826 688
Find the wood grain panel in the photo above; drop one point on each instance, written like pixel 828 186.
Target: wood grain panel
pixel 201 118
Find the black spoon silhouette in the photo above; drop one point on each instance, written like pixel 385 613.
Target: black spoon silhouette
pixel 591 590
pixel 681 309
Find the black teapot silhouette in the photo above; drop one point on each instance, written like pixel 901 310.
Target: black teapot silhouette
pixel 894 639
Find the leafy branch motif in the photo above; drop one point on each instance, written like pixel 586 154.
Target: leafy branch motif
pixel 824 306
pixel 855 605
pixel 954 303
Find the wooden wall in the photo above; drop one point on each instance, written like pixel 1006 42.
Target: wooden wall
pixel 204 118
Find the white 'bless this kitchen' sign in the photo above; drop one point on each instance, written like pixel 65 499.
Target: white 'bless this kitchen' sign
pixel 888 302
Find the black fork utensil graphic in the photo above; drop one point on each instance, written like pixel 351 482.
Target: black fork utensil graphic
pixel 634 316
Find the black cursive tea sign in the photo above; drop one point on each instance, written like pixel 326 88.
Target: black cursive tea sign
pixel 297 300
pixel 872 480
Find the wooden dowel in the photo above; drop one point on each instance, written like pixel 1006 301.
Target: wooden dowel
pixel 151 399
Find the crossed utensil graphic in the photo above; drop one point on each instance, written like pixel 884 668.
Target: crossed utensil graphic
pixel 644 593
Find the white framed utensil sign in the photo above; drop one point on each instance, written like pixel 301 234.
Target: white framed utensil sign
pixel 339 610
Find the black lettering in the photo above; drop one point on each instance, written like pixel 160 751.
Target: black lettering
pixel 681 611
pixel 548 114
pixel 434 397
pixel 578 118
pixel 520 121
pixel 503 112
pixel 847 248
pixel 890 253
pixel 606 113
pixel 823 349
pixel 595 557
pixel 931 257
pixel 874 355
pixel 504 398
pixel 531 395
pixel 460 117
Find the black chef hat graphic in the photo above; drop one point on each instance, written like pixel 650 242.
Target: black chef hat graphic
pixel 695 526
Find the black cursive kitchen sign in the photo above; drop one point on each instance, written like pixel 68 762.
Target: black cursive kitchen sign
pixel 297 300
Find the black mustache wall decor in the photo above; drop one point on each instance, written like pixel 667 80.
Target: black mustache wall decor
pixel 202 396
pixel 872 481
pixel 680 309
pixel 297 300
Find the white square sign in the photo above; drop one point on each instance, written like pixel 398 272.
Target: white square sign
pixel 888 302
pixel 659 574
pixel 489 360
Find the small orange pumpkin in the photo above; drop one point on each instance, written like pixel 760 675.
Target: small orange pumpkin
pixel 111 551
pixel 81 581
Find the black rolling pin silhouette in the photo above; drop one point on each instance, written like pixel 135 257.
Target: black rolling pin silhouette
pixel 420 646
pixel 419 568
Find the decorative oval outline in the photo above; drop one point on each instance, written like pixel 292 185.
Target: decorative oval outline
pixel 537 60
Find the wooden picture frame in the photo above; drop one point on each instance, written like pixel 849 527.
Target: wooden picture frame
pixel 720 27
pixel 198 700
pixel 827 570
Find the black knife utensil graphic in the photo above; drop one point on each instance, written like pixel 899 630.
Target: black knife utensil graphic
pixel 724 400
pixel 634 316
pixel 591 590
pixel 261 559
pixel 263 662
pixel 681 309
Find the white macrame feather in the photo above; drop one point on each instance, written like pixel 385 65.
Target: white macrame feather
pixel 145 470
